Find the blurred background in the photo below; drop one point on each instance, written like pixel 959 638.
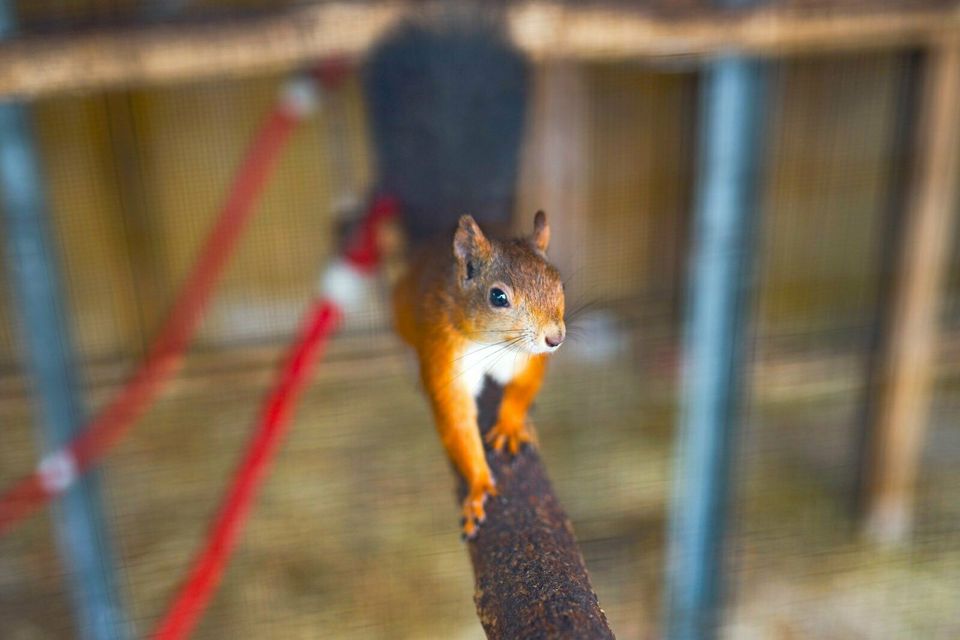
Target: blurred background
pixel 842 520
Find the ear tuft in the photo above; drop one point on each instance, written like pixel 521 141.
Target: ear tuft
pixel 470 246
pixel 541 232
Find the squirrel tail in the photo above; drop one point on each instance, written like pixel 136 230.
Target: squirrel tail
pixel 447 97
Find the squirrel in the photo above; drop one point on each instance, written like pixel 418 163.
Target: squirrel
pixel 481 307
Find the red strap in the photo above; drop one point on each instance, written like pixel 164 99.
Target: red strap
pixel 209 565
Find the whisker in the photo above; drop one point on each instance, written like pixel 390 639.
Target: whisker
pixel 570 276
pixel 509 344
pixel 491 331
pixel 503 355
pixel 484 348
pixel 590 304
pixel 580 300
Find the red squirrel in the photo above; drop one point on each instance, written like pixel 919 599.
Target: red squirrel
pixel 478 307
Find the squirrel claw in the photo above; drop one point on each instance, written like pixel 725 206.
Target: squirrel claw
pixel 473 509
pixel 511 437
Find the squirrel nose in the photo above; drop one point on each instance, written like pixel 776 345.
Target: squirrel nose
pixel 555 340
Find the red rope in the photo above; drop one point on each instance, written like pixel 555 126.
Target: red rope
pixel 209 565
pixel 363 250
pixel 113 422
pixel 362 255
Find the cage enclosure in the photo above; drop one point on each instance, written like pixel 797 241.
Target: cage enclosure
pixel 781 177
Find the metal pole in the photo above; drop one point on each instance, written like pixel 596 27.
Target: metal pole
pixel 731 114
pixel 82 536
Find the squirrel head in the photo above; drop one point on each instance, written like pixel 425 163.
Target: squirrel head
pixel 507 290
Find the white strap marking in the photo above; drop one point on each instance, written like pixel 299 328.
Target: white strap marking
pixel 57 470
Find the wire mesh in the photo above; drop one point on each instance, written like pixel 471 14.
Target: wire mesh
pixel 355 534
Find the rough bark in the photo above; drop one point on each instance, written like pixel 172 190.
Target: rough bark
pixel 531 581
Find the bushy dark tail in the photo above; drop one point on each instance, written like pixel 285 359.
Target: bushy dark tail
pixel 447 98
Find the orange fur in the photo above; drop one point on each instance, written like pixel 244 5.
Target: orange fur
pixel 455 412
pixel 511 429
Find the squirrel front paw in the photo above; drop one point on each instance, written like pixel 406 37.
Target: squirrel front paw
pixel 511 434
pixel 473 506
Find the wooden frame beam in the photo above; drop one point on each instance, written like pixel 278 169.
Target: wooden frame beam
pixel 609 33
pixel 909 357
pixel 35 66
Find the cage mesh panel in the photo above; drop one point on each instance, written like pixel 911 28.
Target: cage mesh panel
pixel 821 197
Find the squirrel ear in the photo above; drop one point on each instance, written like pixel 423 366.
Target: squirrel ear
pixel 470 246
pixel 541 232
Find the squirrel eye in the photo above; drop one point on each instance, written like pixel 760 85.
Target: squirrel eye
pixel 498 298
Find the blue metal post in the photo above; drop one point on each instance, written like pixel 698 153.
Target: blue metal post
pixel 82 536
pixel 731 116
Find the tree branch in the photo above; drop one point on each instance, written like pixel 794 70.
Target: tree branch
pixel 531 581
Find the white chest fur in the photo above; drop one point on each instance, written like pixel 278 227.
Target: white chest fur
pixel 480 360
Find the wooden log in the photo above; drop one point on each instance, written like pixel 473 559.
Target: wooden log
pixel 597 32
pixel 151 55
pixel 103 59
pixel 909 355
pixel 531 581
